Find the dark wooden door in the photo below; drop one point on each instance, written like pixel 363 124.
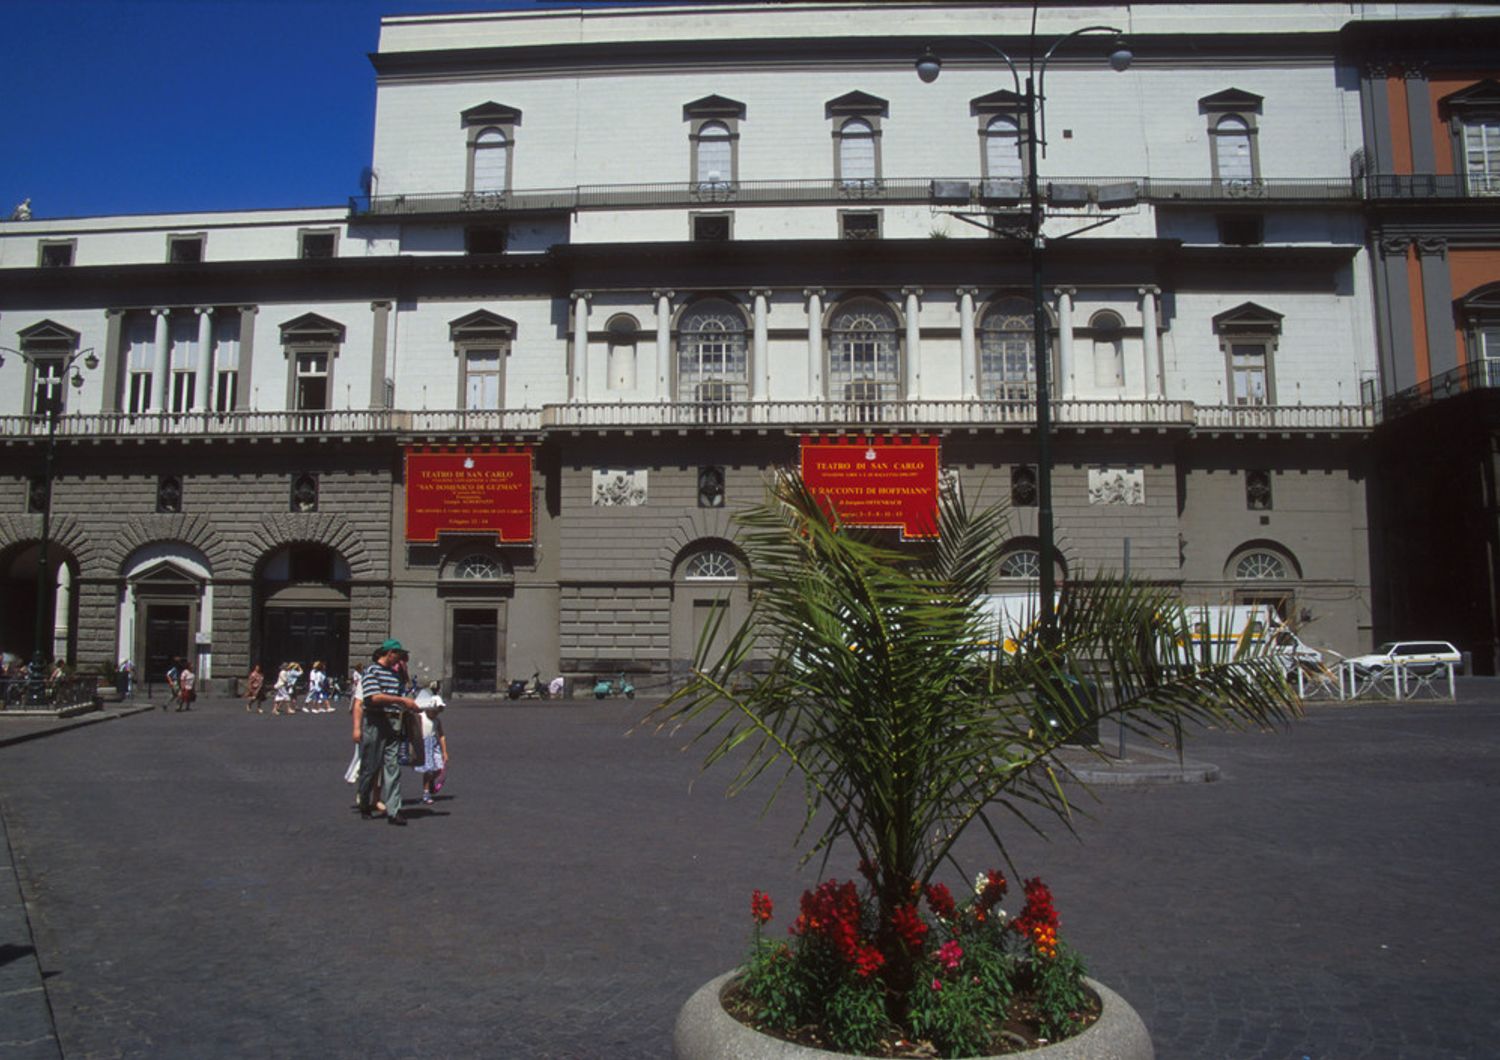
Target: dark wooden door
pixel 476 650
pixel 167 638
pixel 305 635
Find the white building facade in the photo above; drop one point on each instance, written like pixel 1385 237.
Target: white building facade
pixel 660 251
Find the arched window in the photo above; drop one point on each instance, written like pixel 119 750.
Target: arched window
pixel 491 164
pixel 1022 563
pixel 857 151
pixel 622 330
pixel 1007 338
pixel 711 359
pixel 715 153
pixel 1109 349
pixel 1002 148
pixel 1261 565
pixel 864 352
pixel 1232 156
pixel 711 565
pixel 477 567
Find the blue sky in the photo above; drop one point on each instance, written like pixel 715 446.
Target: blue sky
pixel 149 106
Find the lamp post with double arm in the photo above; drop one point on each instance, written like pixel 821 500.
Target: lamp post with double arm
pixel 1032 100
pixel 51 369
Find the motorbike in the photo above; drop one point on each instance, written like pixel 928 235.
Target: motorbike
pixel 533 689
pixel 605 687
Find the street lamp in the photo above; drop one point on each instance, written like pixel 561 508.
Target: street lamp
pixel 929 65
pixel 57 366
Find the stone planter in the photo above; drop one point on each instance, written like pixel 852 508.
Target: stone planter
pixel 705 1031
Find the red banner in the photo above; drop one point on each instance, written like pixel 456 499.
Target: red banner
pixel 886 482
pixel 468 491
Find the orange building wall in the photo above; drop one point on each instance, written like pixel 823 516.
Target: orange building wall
pixel 1470 268
pixel 1395 92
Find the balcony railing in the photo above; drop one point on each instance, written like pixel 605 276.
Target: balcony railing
pixel 1066 192
pixel 852 414
pixel 1474 376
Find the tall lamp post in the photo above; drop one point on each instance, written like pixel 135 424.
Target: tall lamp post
pixel 49 394
pixel 1033 100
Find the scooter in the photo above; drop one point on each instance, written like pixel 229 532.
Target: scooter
pixel 533 689
pixel 605 687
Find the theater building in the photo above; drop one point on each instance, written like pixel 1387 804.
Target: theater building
pixel 612 265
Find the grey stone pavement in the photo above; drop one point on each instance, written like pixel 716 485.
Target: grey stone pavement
pixel 196 885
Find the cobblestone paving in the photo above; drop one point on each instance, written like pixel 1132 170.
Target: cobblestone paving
pixel 198 886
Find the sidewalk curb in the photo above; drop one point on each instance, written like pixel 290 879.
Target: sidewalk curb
pixel 63 724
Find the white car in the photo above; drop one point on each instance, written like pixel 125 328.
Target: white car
pixel 1420 656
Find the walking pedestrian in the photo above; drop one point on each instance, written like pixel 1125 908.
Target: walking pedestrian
pixel 255 690
pixel 317 690
pixel 187 686
pixel 384 703
pixel 286 681
pixel 172 672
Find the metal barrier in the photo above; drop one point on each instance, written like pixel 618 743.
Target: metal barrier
pixel 63 693
pixel 1399 681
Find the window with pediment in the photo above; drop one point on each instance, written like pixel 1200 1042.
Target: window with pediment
pixel 481 344
pixel 1002 121
pixel 1233 140
pixel 47 346
pixel 712 360
pixel 714 136
pixel 856 118
pixel 1248 335
pixel 490 136
pixel 1479 312
pixel 311 344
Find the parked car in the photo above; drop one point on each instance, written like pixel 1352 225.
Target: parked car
pixel 1418 656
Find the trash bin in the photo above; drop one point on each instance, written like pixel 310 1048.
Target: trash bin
pixel 1073 704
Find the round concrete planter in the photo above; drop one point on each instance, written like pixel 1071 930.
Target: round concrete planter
pixel 705 1031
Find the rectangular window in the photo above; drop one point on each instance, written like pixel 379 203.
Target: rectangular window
pixel 1258 491
pixel 1248 367
pixel 55 254
pixel 139 362
pixel 185 250
pixel 1482 156
pixel 485 239
pixel 47 389
pixel 482 379
pixel 312 380
pixel 183 334
pixel 316 244
pixel 226 362
pixel 859 224
pixel 711 227
pixel 1241 230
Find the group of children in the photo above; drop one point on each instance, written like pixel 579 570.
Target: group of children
pixel 284 690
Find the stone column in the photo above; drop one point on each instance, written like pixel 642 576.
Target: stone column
pixel 968 353
pixel 579 388
pixel 203 388
pixel 663 344
pixel 1150 344
pixel 1065 387
pixel 814 296
pixel 913 342
pixel 161 365
pixel 62 611
pixel 760 372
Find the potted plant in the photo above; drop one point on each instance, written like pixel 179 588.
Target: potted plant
pixel 880 685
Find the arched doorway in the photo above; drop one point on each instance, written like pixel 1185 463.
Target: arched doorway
pixel 18 602
pixel 302 603
pixel 709 598
pixel 166 610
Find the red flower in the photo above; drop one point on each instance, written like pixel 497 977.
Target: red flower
pixel 1038 921
pixel 760 907
pixel 940 901
pixel 991 892
pixel 832 912
pixel 909 926
pixel 868 961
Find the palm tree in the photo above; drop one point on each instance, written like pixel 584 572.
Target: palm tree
pixel 874 675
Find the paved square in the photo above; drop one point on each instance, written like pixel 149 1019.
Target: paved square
pixel 198 886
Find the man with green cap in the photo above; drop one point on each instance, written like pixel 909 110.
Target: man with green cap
pixel 379 749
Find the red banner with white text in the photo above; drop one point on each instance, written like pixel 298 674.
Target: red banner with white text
pixel 881 482
pixel 469 491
